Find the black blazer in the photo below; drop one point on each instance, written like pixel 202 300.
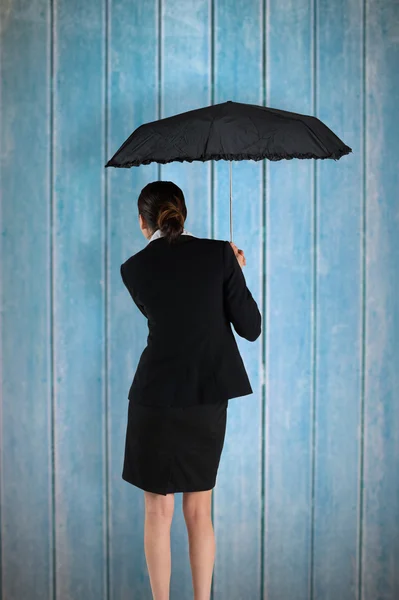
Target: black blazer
pixel 191 293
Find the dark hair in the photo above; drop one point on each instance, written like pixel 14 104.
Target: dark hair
pixel 162 205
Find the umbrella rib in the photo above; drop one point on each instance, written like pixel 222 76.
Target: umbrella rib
pixel 210 129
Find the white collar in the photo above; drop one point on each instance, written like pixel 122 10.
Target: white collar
pixel 158 234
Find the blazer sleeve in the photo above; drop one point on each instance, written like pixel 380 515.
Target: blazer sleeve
pixel 240 306
pixel 131 291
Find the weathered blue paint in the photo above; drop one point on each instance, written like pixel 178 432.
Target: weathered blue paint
pixel 380 489
pixel 307 501
pixel 26 435
pixel 132 77
pixel 289 316
pixel 79 302
pixel 185 85
pixel 238 501
pixel 339 298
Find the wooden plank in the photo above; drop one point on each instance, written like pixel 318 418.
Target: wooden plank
pixel 185 85
pixel 133 93
pixel 338 362
pixel 354 543
pixel 289 318
pixel 25 394
pixel 185 72
pixel 380 551
pixel 79 334
pixel 238 502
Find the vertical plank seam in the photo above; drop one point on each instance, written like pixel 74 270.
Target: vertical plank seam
pixel 212 101
pixel 159 36
pixel 211 9
pixel 52 419
pixel 313 313
pixel 264 309
pixel 1 331
pixel 363 313
pixel 106 454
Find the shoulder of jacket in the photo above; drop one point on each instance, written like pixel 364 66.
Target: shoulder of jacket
pixel 218 246
pixel 214 242
pixel 132 260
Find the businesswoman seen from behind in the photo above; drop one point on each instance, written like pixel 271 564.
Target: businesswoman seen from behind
pixel 191 290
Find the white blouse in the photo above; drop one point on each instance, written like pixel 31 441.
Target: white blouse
pixel 158 234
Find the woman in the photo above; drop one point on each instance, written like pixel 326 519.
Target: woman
pixel 191 290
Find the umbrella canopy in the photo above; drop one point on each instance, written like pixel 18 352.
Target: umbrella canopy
pixel 229 131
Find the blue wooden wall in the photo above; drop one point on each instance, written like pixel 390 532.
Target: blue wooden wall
pixel 307 501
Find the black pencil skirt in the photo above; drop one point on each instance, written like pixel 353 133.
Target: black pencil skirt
pixel 174 449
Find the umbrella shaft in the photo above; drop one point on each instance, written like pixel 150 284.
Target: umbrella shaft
pixel 231 203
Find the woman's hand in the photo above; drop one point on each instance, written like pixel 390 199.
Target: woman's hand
pixel 239 255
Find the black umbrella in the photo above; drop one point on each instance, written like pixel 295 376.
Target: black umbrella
pixel 229 131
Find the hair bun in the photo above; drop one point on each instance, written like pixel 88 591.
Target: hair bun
pixel 170 212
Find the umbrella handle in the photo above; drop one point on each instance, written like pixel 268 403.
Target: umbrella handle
pixel 231 203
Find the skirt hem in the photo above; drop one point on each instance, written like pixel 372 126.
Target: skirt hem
pixel 142 486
